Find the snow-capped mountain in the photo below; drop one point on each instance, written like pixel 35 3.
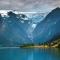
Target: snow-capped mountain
pixel 16 27
pixel 13 29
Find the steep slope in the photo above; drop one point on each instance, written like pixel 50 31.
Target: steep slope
pixel 49 27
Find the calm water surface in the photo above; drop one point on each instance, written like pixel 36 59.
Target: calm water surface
pixel 29 54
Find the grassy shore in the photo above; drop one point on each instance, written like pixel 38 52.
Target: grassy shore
pixel 35 46
pixel 54 43
pixel 40 46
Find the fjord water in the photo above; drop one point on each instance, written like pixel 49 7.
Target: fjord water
pixel 29 54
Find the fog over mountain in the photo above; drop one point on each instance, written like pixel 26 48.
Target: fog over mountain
pixel 29 5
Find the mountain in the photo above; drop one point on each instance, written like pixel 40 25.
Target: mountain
pixel 47 28
pixel 16 27
pixel 38 17
pixel 13 29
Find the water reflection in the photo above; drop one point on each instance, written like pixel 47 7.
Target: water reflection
pixel 29 54
pixel 16 54
pixel 47 54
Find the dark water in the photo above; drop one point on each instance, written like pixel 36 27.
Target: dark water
pixel 29 54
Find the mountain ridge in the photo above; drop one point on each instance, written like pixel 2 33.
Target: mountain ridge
pixel 47 28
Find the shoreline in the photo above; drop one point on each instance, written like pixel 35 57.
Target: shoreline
pixel 35 46
pixel 40 46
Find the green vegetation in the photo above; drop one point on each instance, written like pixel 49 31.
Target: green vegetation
pixel 54 42
pixel 27 45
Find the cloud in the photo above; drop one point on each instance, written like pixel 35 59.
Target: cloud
pixel 30 5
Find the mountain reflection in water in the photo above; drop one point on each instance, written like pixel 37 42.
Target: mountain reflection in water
pixel 29 54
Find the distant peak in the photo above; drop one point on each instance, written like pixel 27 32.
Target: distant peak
pixel 54 13
pixel 56 9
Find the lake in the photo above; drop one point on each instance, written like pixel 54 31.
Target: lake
pixel 29 54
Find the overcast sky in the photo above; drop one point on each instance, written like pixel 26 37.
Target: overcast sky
pixel 29 5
